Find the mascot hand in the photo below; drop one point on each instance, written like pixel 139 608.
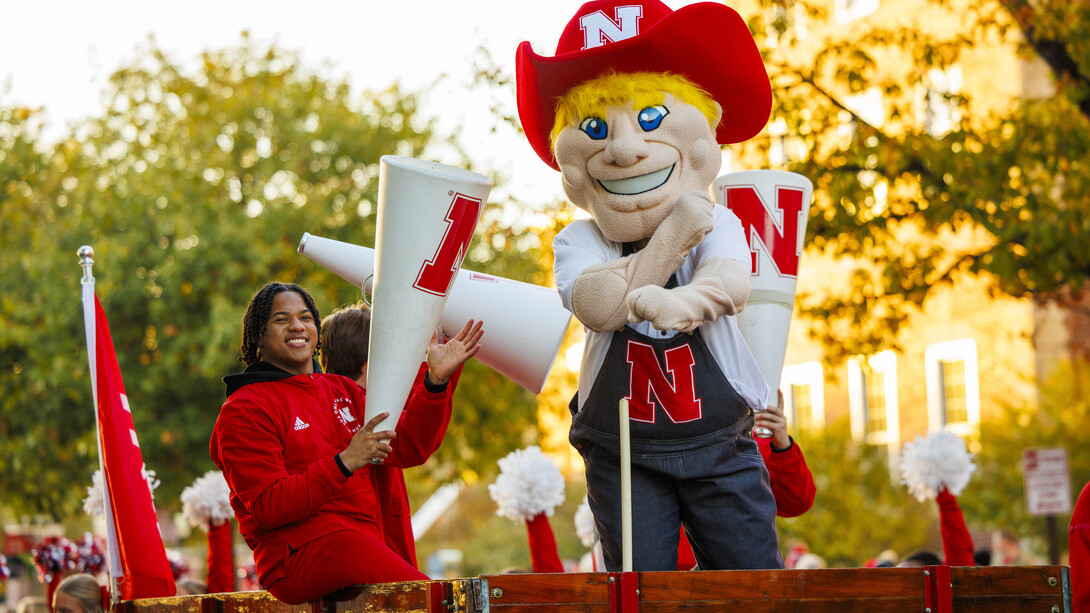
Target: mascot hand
pixel 720 286
pixel 688 223
pixel 666 309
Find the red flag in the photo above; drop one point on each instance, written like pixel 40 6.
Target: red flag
pixel 145 569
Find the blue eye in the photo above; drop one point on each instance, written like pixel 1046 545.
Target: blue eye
pixel 652 116
pixel 595 128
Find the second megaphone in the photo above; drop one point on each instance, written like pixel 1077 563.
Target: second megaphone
pixel 525 323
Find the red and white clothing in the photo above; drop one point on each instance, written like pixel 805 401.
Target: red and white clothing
pixel 705 387
pixel 581 245
pixel 276 439
pixel 390 480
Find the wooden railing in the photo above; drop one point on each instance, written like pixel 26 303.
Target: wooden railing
pixel 930 589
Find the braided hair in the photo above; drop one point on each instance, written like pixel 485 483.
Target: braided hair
pixel 257 317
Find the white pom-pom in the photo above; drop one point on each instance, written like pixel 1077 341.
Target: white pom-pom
pixel 939 460
pixel 529 483
pixel 93 504
pixel 584 524
pixel 207 502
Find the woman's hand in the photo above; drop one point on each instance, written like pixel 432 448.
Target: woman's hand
pixel 368 445
pixel 774 419
pixel 444 358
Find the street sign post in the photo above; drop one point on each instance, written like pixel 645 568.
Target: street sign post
pixel 1047 481
pixel 1048 490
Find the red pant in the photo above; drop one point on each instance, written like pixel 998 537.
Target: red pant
pixel 339 560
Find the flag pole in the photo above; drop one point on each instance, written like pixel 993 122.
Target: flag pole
pixel 113 561
pixel 626 489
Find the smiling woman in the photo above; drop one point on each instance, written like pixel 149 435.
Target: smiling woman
pixel 290 339
pixel 286 312
pixel 299 461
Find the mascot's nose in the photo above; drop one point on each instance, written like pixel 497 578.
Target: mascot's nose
pixel 626 145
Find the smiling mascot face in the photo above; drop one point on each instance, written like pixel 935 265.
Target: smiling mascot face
pixel 628 145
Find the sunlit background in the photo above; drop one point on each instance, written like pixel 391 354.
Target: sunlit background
pixel 942 285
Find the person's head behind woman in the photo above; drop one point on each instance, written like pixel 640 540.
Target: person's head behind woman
pixel 344 340
pixel 79 593
pixel 262 340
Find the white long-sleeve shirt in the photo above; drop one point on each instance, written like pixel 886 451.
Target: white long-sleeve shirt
pixel 581 245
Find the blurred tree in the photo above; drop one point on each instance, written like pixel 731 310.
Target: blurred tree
pixel 853 481
pixel 1059 421
pixel 40 383
pixel 491 543
pixel 903 160
pixel 194 188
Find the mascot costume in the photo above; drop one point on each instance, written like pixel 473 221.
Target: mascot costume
pixel 632 110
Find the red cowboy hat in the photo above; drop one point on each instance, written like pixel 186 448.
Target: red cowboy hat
pixel 707 43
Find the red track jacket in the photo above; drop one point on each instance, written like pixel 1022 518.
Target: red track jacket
pixel 275 441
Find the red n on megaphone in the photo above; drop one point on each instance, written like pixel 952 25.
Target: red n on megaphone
pixel 773 206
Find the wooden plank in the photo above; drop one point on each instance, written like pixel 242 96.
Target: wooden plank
pixel 227 602
pixel 536 592
pixel 780 585
pixel 880 590
pixel 1007 604
pixel 877 590
pixel 1007 589
pixel 992 580
pixel 403 597
pixel 406 597
pixel 814 605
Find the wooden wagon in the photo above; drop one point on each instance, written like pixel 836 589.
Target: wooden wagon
pixel 928 589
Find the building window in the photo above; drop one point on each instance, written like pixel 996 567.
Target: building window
pixel 803 387
pixel 952 382
pixel 848 10
pixel 802 406
pixel 953 387
pixel 872 391
pixel 874 405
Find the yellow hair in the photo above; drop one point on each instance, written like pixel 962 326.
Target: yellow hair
pixel 640 89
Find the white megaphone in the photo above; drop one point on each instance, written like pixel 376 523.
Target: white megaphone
pixel 427 214
pixel 524 323
pixel 773 206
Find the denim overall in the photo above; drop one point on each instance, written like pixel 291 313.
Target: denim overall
pixel 700 469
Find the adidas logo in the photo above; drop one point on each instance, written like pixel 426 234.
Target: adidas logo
pixel 300 424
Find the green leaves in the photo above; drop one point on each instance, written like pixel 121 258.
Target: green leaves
pixel 194 188
pixel 853 481
pixel 930 161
